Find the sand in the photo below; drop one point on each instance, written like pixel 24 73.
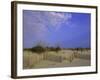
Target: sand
pixel 50 59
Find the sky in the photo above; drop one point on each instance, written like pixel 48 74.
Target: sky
pixel 52 29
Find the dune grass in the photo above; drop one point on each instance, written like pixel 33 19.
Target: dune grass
pixel 35 55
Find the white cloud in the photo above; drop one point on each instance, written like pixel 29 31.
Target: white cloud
pixel 55 19
pixel 57 14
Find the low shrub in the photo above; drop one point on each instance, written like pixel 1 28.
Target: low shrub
pixel 38 49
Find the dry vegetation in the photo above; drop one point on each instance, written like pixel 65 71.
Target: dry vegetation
pixel 40 57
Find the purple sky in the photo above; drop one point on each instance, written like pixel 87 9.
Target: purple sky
pixel 64 29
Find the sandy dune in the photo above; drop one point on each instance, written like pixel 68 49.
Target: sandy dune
pixel 50 59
